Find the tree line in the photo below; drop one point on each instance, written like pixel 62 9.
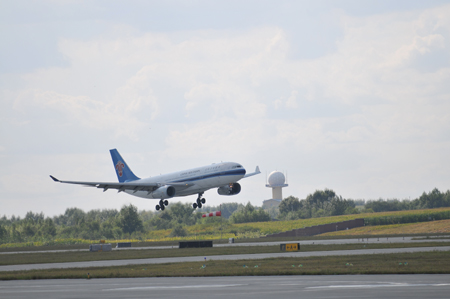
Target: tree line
pixel 430 200
pixel 327 203
pixel 319 204
pixel 128 223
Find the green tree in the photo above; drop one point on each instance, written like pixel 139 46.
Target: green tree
pixel 320 198
pixel 71 217
pixel 339 206
pixel 434 199
pixel 249 214
pixel 178 231
pixel 107 228
pixel 48 229
pixel 147 215
pixel 176 213
pixel 34 218
pixel 129 220
pixel 3 235
pixel 290 204
pixel 181 213
pixel 162 221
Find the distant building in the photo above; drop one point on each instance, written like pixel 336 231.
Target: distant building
pixel 276 181
pixel 271 203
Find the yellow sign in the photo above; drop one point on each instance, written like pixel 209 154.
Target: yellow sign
pixel 290 247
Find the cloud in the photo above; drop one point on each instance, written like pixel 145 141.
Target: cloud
pixel 85 111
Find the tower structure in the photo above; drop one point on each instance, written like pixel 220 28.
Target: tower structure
pixel 276 181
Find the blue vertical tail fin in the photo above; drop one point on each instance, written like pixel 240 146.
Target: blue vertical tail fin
pixel 124 173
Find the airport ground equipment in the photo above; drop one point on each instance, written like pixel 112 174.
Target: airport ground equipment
pixel 100 247
pixel 195 244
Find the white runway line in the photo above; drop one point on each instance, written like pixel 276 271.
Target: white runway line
pixel 165 287
pixel 370 286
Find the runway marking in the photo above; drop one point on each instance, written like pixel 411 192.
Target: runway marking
pixel 379 286
pixel 176 287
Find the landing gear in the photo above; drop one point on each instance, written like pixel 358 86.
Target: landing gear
pixel 162 204
pixel 200 201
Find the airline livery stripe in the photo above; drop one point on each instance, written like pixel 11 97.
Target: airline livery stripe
pixel 212 175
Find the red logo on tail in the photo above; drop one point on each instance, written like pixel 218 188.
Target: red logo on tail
pixel 119 167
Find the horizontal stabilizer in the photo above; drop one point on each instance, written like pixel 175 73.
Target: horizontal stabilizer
pixel 253 173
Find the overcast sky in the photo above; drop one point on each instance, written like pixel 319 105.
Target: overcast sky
pixel 348 95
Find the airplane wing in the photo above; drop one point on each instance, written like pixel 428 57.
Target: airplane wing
pixel 253 173
pixel 133 185
pixel 180 185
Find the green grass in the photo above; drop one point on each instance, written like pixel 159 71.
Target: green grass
pixel 257 229
pixel 61 257
pixel 244 232
pixel 426 228
pixel 416 263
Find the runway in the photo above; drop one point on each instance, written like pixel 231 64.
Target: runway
pixel 320 286
pixel 217 257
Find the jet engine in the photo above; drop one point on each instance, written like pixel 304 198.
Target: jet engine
pixel 230 189
pixel 164 192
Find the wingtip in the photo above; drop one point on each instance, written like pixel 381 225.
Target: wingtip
pixel 55 179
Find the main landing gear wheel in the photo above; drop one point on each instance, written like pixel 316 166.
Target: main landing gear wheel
pixel 162 204
pixel 200 201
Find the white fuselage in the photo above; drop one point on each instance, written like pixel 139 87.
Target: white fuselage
pixel 200 179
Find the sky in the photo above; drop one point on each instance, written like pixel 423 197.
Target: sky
pixel 352 96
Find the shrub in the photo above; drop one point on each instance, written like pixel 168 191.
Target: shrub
pixel 178 231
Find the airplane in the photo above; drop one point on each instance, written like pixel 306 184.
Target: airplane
pixel 224 176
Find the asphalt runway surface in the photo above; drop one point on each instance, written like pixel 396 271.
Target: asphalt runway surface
pixel 301 286
pixel 110 263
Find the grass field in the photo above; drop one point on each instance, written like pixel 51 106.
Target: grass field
pixel 405 263
pixel 78 256
pixel 253 231
pixel 258 229
pixel 432 227
pixel 431 262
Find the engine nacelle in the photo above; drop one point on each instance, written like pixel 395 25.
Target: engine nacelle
pixel 164 192
pixel 231 189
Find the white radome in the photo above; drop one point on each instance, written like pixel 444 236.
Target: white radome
pixel 276 178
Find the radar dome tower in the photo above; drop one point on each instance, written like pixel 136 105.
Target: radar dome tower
pixel 276 182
